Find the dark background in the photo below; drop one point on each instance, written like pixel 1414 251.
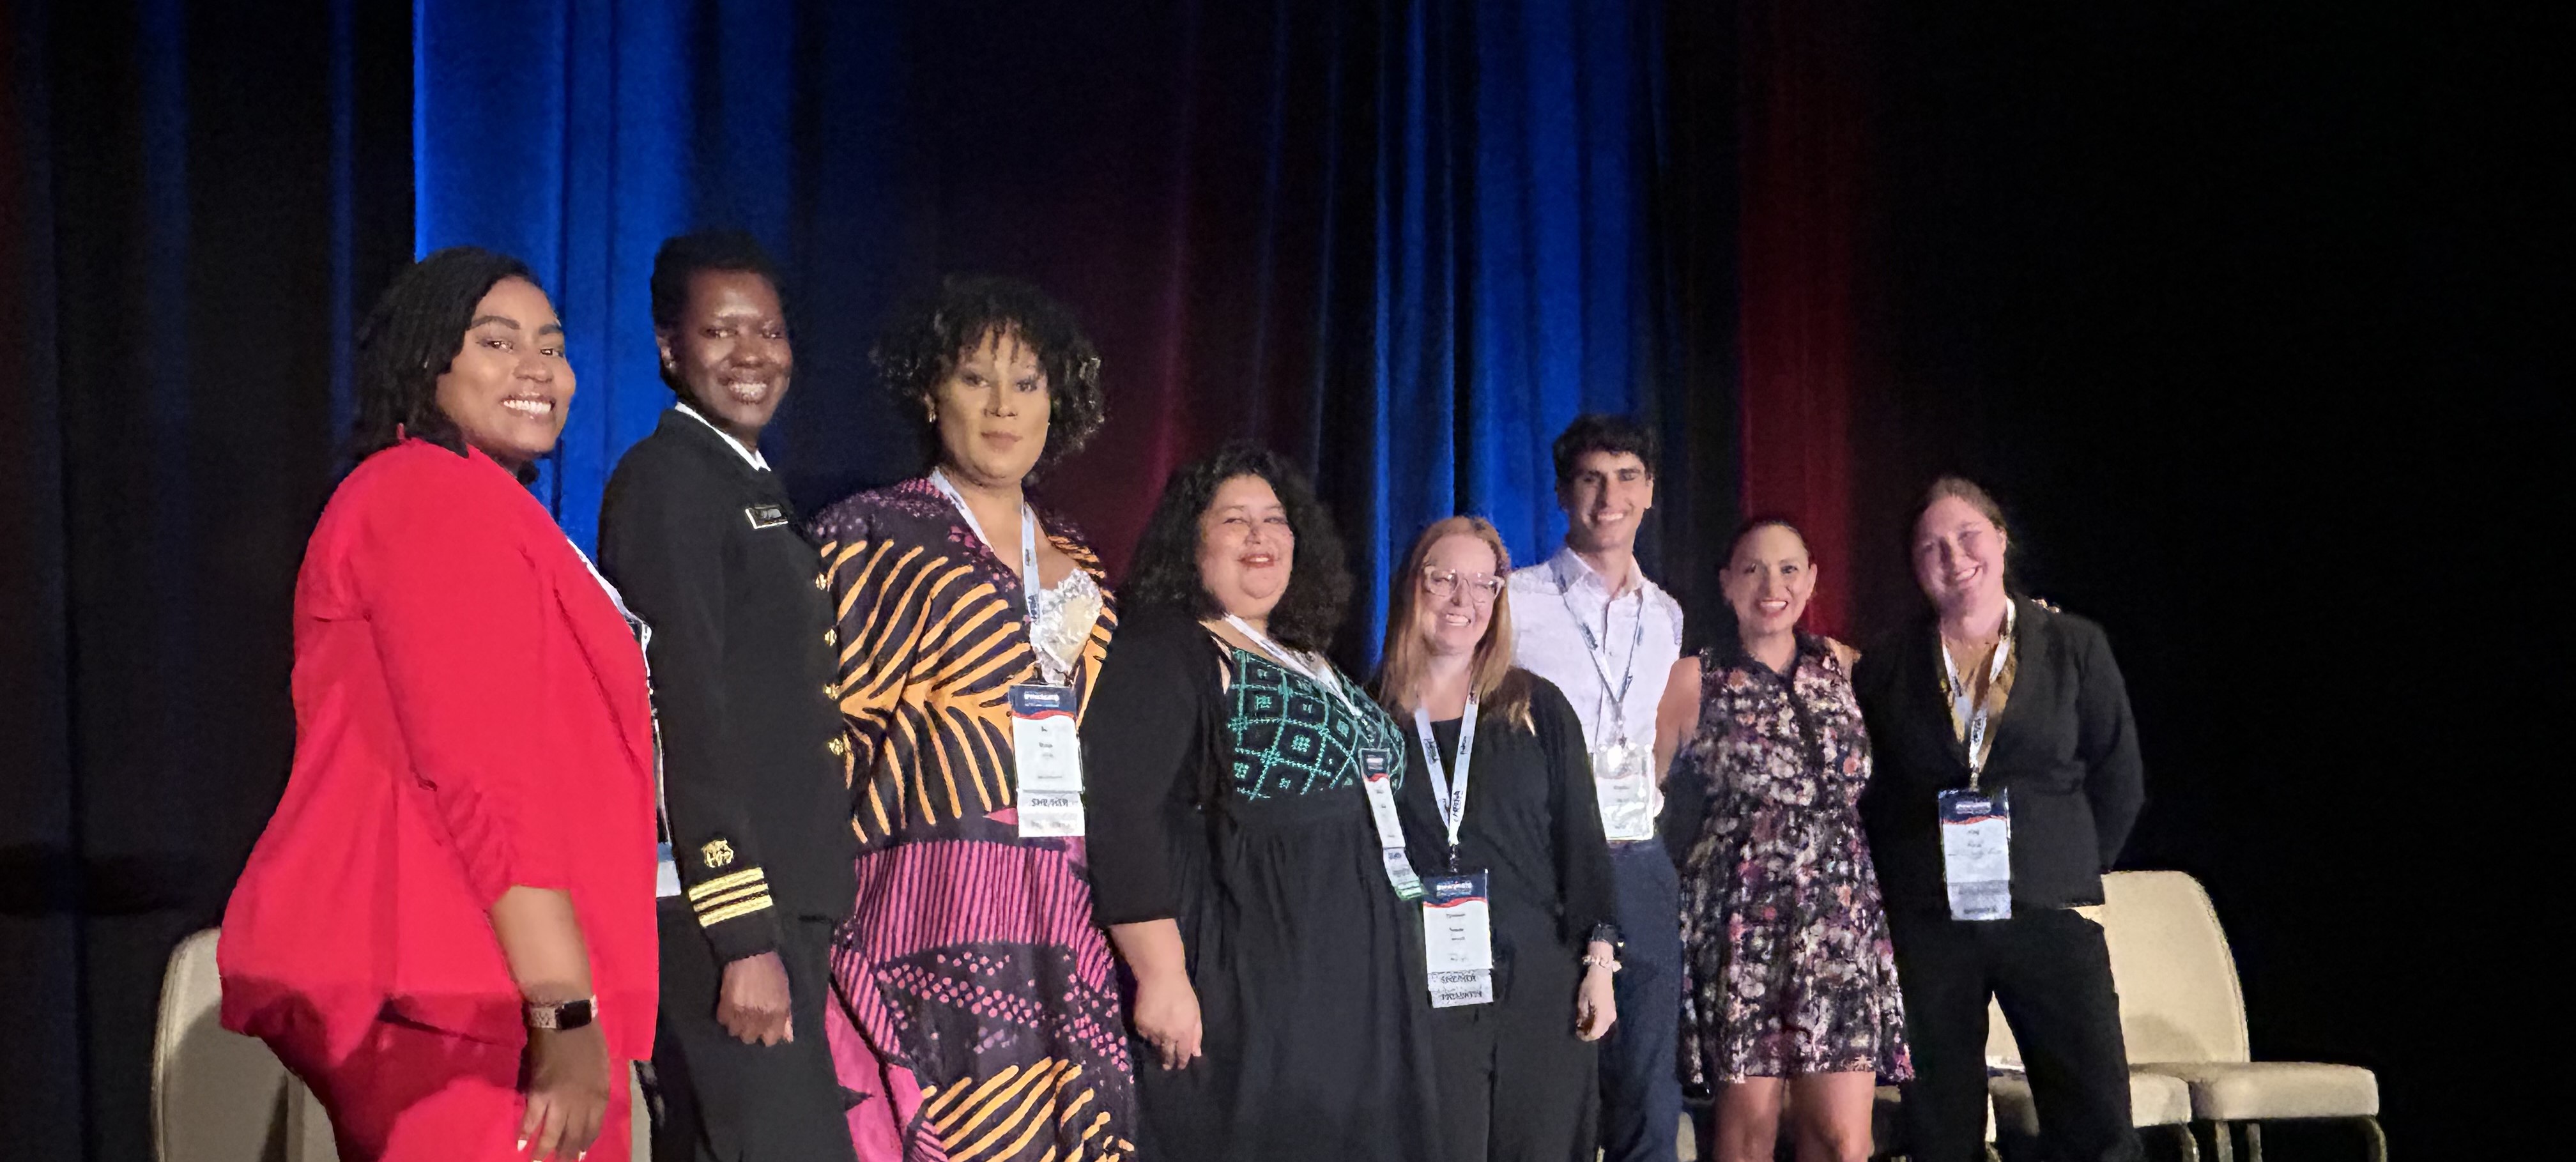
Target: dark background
pixel 2239 312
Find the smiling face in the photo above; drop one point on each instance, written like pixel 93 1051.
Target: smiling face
pixel 1604 499
pixel 1458 587
pixel 1958 556
pixel 1246 548
pixel 729 351
pixel 992 411
pixel 1768 581
pixel 509 388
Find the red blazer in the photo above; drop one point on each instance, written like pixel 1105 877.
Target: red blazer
pixel 470 714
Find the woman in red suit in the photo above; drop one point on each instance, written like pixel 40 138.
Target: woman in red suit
pixel 447 929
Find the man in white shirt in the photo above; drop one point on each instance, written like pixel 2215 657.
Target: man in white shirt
pixel 1589 621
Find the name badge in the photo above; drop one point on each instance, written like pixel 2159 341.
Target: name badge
pixel 1377 777
pixel 1047 753
pixel 1623 779
pixel 1458 941
pixel 1976 854
pixel 666 874
pixel 766 516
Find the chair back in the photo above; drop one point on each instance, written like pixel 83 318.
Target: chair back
pixel 2179 995
pixel 218 1096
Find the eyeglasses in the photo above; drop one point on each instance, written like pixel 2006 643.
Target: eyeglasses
pixel 1444 583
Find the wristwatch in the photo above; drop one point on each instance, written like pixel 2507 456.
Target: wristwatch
pixel 562 1015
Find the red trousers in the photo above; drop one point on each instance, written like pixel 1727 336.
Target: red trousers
pixel 415 1094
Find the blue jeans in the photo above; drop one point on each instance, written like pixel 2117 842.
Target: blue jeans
pixel 1641 1089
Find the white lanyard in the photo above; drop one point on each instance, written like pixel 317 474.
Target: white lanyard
pixel 1453 795
pixel 1054 674
pixel 1592 648
pixel 1324 677
pixel 1965 707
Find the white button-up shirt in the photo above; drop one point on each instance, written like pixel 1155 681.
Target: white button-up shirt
pixel 750 456
pixel 1639 630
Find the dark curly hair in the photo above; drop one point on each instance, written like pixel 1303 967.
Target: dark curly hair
pixel 411 338
pixel 686 256
pixel 921 344
pixel 1165 573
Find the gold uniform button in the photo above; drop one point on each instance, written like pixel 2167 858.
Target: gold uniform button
pixel 832 637
pixel 831 691
pixel 837 746
pixel 822 581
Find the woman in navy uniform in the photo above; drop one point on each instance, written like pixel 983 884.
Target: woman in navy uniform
pixel 696 532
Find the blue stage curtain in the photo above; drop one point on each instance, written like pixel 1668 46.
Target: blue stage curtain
pixel 1405 243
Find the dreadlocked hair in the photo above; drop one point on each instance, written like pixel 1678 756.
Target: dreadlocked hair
pixel 410 339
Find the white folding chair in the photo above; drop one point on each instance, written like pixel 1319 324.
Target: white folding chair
pixel 2182 1011
pixel 2155 1103
pixel 218 1096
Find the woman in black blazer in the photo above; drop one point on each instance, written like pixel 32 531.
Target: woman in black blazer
pixel 2002 698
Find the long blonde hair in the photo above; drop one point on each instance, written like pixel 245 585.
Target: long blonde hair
pixel 1500 690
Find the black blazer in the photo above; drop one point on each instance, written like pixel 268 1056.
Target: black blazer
pixel 706 551
pixel 2065 745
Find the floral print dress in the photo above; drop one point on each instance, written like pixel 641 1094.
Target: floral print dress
pixel 1783 938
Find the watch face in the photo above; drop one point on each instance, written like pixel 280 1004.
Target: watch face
pixel 568 1015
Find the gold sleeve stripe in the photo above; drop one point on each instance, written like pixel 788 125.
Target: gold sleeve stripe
pixel 735 896
pixel 726 883
pixel 719 916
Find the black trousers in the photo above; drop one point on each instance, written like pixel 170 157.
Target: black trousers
pixel 723 1100
pixel 1516 1084
pixel 2050 971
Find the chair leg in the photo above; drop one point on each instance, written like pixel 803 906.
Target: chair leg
pixel 2222 1141
pixel 2253 1142
pixel 2184 1147
pixel 2378 1139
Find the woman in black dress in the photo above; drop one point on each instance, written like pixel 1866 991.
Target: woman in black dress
pixel 1513 804
pixel 1252 877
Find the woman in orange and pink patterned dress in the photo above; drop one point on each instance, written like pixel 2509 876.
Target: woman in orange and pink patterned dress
pixel 978 1008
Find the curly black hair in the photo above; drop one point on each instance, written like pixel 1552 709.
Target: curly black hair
pixel 921 345
pixel 684 257
pixel 1165 573
pixel 409 340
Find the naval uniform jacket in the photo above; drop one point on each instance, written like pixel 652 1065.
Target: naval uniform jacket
pixel 470 716
pixel 707 553
pixel 2065 745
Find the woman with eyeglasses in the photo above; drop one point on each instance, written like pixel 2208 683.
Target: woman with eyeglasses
pixel 1498 803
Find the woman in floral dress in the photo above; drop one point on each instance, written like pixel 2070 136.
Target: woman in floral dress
pixel 1792 987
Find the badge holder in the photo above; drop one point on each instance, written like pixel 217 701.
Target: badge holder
pixel 1458 941
pixel 1623 779
pixel 1976 854
pixel 1048 755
